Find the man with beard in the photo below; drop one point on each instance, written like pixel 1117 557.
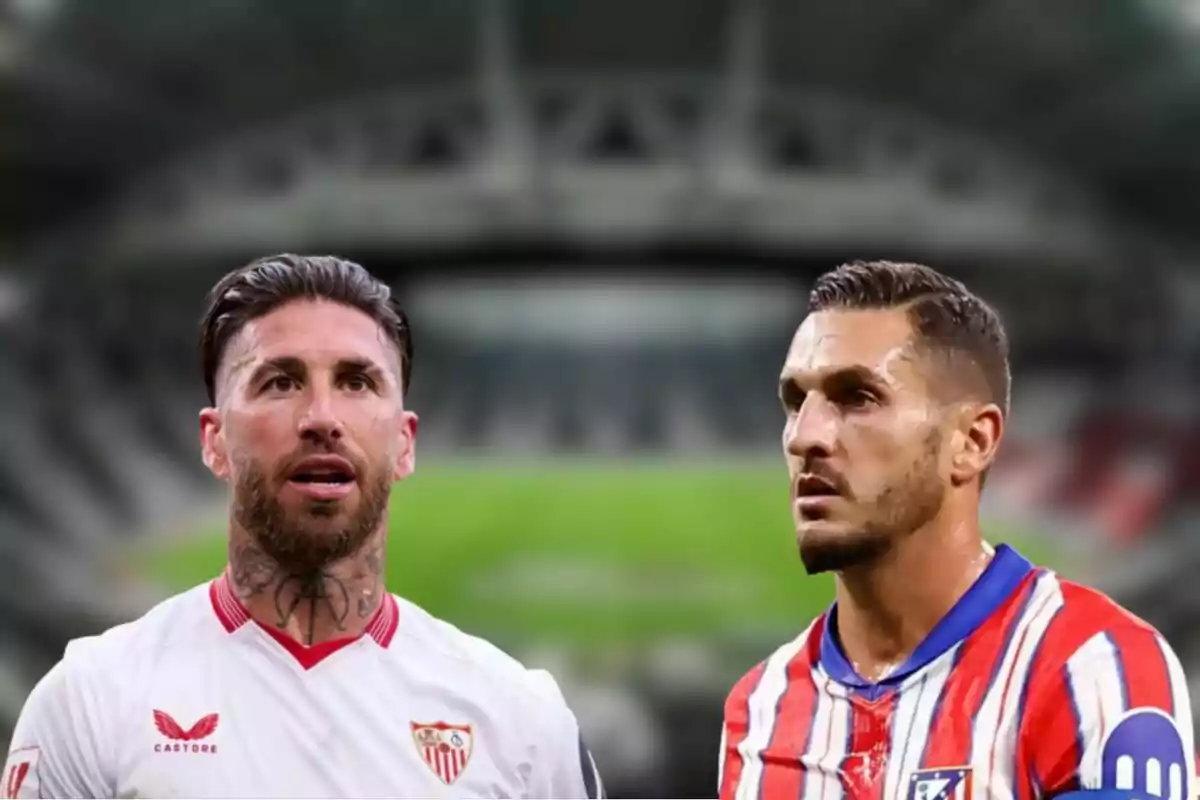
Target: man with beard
pixel 945 668
pixel 296 673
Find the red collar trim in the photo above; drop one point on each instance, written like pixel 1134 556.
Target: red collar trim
pixel 233 615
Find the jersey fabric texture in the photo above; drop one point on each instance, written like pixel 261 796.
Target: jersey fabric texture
pixel 197 700
pixel 1031 687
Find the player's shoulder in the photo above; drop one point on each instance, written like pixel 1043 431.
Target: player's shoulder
pixel 172 621
pixel 450 649
pixel 1087 611
pixel 790 658
pixel 1088 618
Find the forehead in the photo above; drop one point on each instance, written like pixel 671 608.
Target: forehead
pixel 312 330
pixel 840 339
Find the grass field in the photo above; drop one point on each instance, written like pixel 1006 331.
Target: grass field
pixel 584 553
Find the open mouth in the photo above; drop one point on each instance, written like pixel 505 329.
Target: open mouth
pixel 323 471
pixel 814 486
pixel 812 497
pixel 322 476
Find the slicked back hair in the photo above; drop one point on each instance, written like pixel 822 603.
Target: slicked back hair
pixel 263 285
pixel 947 318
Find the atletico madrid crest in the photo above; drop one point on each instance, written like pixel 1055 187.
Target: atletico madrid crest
pixel 446 748
pixel 947 783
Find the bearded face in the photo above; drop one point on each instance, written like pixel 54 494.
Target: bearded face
pixel 310 431
pixel 863 438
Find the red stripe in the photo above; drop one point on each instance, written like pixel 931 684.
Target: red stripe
pixel 950 739
pixel 1048 743
pixel 782 772
pixel 1049 738
pixel 225 604
pixel 737 724
pixel 863 770
pixel 1144 668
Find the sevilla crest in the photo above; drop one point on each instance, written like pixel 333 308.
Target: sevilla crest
pixel 446 748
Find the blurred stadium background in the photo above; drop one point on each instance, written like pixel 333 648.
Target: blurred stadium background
pixel 603 216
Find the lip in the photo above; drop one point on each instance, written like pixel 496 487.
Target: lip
pixel 326 462
pixel 815 509
pixel 322 491
pixel 812 497
pixel 816 500
pixel 814 487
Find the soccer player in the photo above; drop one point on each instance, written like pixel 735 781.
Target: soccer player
pixel 295 673
pixel 945 668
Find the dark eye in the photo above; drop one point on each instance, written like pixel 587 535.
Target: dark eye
pixel 858 398
pixel 358 383
pixel 280 383
pixel 792 397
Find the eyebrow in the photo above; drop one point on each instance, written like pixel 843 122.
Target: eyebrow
pixel 291 365
pixel 363 365
pixel 288 365
pixel 855 372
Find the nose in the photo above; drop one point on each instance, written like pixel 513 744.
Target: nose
pixel 319 422
pixel 811 431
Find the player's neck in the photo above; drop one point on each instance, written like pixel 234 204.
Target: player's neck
pixel 886 610
pixel 335 601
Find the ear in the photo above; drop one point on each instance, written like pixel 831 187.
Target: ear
pixel 406 455
pixel 980 429
pixel 212 444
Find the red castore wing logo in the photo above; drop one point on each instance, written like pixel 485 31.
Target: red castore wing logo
pixel 171 729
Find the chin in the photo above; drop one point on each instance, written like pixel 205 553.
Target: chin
pixel 829 546
pixel 321 521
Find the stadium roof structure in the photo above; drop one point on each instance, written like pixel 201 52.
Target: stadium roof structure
pixel 1100 93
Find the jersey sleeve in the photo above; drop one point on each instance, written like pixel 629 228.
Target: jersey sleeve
pixel 733 732
pixel 1115 716
pixel 564 767
pixel 56 749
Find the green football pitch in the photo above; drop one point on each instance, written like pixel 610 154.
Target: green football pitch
pixel 585 552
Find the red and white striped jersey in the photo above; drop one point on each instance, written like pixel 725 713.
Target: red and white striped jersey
pixel 1031 686
pixel 197 700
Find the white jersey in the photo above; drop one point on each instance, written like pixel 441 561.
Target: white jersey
pixel 197 700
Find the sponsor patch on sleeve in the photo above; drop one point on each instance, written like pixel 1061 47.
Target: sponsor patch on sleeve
pixel 1144 754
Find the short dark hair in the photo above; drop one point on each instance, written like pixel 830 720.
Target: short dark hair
pixel 946 317
pixel 265 284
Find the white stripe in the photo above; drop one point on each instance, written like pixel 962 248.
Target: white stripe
pixel 596 777
pixel 913 722
pixel 721 760
pixel 830 742
pixel 820 740
pixel 1094 680
pixel 1181 700
pixel 764 705
pixel 994 736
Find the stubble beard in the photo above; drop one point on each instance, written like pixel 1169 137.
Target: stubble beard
pixel 896 513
